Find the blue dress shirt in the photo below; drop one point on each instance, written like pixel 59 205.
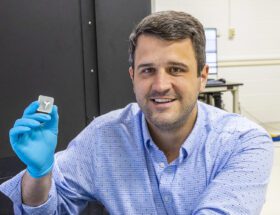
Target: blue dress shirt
pixel 223 168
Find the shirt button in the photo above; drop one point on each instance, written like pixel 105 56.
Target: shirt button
pixel 161 165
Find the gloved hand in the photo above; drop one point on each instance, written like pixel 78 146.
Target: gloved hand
pixel 34 139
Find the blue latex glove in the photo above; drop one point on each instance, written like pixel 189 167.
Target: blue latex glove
pixel 34 139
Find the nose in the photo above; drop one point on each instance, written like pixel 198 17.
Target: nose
pixel 161 82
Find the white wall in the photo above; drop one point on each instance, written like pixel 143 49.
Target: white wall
pixel 251 57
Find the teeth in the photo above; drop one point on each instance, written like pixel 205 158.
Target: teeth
pixel 162 100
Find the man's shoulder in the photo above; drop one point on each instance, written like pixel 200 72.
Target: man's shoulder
pixel 114 125
pixel 222 121
pixel 125 114
pixel 128 116
pixel 229 132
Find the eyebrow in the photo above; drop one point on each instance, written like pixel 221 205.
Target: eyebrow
pixel 171 63
pixel 145 65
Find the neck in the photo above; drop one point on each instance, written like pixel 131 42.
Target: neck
pixel 171 141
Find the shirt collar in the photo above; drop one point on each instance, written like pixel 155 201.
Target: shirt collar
pixel 146 134
pixel 197 132
pixel 189 144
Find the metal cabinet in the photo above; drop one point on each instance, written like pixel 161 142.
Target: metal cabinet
pixel 73 50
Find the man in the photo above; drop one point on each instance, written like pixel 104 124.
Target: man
pixel 167 154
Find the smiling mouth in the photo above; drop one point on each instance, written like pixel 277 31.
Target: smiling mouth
pixel 162 101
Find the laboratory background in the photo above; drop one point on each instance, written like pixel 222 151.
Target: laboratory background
pixel 77 52
pixel 248 52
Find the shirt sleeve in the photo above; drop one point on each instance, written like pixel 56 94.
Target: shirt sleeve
pixel 72 185
pixel 12 189
pixel 239 186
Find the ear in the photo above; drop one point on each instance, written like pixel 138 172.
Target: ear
pixel 131 73
pixel 203 78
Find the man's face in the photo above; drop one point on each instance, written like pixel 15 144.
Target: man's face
pixel 165 81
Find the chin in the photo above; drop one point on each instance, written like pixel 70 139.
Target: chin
pixel 165 124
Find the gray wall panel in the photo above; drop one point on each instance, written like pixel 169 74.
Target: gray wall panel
pixel 41 52
pixel 114 22
pixel 47 47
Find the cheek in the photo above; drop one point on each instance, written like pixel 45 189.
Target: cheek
pixel 140 86
pixel 188 88
pixel 139 89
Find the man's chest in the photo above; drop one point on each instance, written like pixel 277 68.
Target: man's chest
pixel 135 186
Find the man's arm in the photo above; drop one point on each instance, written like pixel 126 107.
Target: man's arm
pixel 34 139
pixel 35 191
pixel 239 187
pixel 43 185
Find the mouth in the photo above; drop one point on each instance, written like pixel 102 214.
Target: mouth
pixel 162 102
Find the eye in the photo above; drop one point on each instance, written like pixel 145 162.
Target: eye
pixel 147 70
pixel 175 70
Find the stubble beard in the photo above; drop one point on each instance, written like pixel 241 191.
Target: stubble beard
pixel 170 125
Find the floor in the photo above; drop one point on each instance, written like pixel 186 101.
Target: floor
pixel 272 204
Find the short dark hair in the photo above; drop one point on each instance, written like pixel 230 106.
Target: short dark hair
pixel 171 25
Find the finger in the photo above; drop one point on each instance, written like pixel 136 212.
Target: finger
pixel 54 113
pixel 31 123
pixel 16 131
pixel 55 118
pixel 19 130
pixel 31 108
pixel 40 117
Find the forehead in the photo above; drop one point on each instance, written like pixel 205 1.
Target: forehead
pixel 152 48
